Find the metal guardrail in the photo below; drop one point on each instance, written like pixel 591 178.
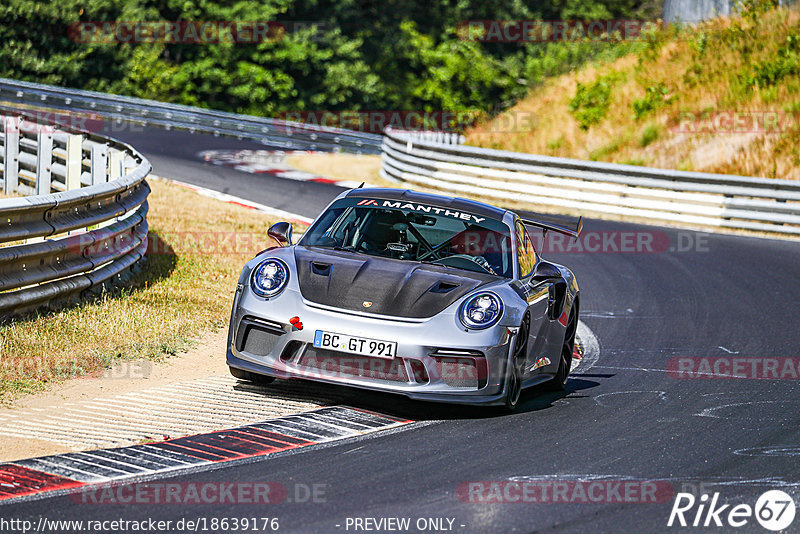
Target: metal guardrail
pixel 447 138
pixel 690 198
pixel 276 133
pixel 85 223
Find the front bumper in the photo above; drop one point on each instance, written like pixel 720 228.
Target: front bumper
pixel 437 358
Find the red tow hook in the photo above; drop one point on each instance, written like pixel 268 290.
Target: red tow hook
pixel 295 322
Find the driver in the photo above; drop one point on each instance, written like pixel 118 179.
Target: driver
pixel 477 243
pixel 385 234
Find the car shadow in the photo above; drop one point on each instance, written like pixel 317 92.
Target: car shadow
pixel 532 400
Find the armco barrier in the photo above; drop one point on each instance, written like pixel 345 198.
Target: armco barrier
pixel 281 134
pixel 83 221
pixel 660 195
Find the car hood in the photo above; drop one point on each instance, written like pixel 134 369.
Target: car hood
pixel 381 286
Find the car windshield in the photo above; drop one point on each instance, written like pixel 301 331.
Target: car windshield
pixel 415 232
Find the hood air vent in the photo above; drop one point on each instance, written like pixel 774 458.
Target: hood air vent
pixel 443 287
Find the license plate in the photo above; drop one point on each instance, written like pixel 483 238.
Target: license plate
pixel 355 345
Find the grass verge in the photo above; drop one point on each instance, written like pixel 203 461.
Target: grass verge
pixel 197 248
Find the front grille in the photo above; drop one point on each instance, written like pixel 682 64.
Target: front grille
pixel 257 336
pixel 290 350
pixel 331 364
pixel 460 372
pixel 418 371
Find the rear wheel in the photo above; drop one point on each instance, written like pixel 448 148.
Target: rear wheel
pixel 514 374
pixel 255 378
pixel 559 382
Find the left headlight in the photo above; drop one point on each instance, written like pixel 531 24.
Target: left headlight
pixel 269 277
pixel 481 311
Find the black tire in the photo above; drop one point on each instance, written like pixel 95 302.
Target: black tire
pixel 514 375
pixel 559 381
pixel 255 378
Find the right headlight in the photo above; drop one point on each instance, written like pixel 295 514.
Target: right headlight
pixel 269 277
pixel 481 311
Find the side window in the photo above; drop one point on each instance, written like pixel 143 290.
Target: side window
pixel 526 254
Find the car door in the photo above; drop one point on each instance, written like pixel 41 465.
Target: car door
pixel 536 297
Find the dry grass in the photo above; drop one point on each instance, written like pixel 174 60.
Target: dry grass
pixel 184 290
pixel 358 168
pixel 703 70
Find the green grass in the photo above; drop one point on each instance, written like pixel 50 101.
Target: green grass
pixel 180 292
pixel 649 135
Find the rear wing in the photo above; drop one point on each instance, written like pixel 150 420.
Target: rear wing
pixel 561 229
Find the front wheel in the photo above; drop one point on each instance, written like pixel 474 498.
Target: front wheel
pixel 517 363
pixel 559 382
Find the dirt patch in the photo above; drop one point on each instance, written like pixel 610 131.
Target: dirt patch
pixel 357 168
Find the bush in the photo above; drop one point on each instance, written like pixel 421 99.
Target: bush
pixel 649 135
pixel 785 63
pixel 655 96
pixel 590 103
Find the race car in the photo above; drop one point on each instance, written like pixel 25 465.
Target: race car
pixel 432 297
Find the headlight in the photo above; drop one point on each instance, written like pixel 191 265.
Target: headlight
pixel 269 277
pixel 481 311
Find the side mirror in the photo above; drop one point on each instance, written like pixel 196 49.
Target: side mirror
pixel 282 233
pixel 545 271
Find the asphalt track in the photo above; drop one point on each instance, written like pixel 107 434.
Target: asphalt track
pixel 626 418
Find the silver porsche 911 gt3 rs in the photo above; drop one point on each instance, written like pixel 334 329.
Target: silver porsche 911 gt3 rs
pixel 432 297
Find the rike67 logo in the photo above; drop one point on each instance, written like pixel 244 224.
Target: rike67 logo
pixel 774 510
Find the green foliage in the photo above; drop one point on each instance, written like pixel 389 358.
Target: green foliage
pixel 639 162
pixel 785 63
pixel 606 150
pixel 754 8
pixel 649 135
pixel 699 44
pixel 360 56
pixel 555 144
pixel 655 96
pixel 591 102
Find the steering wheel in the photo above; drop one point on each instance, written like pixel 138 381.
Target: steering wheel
pixel 460 260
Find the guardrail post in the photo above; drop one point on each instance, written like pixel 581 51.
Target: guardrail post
pixel 44 162
pixel 73 161
pixel 99 164
pixel 11 156
pixel 115 162
pixel 128 165
pixel 3 167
